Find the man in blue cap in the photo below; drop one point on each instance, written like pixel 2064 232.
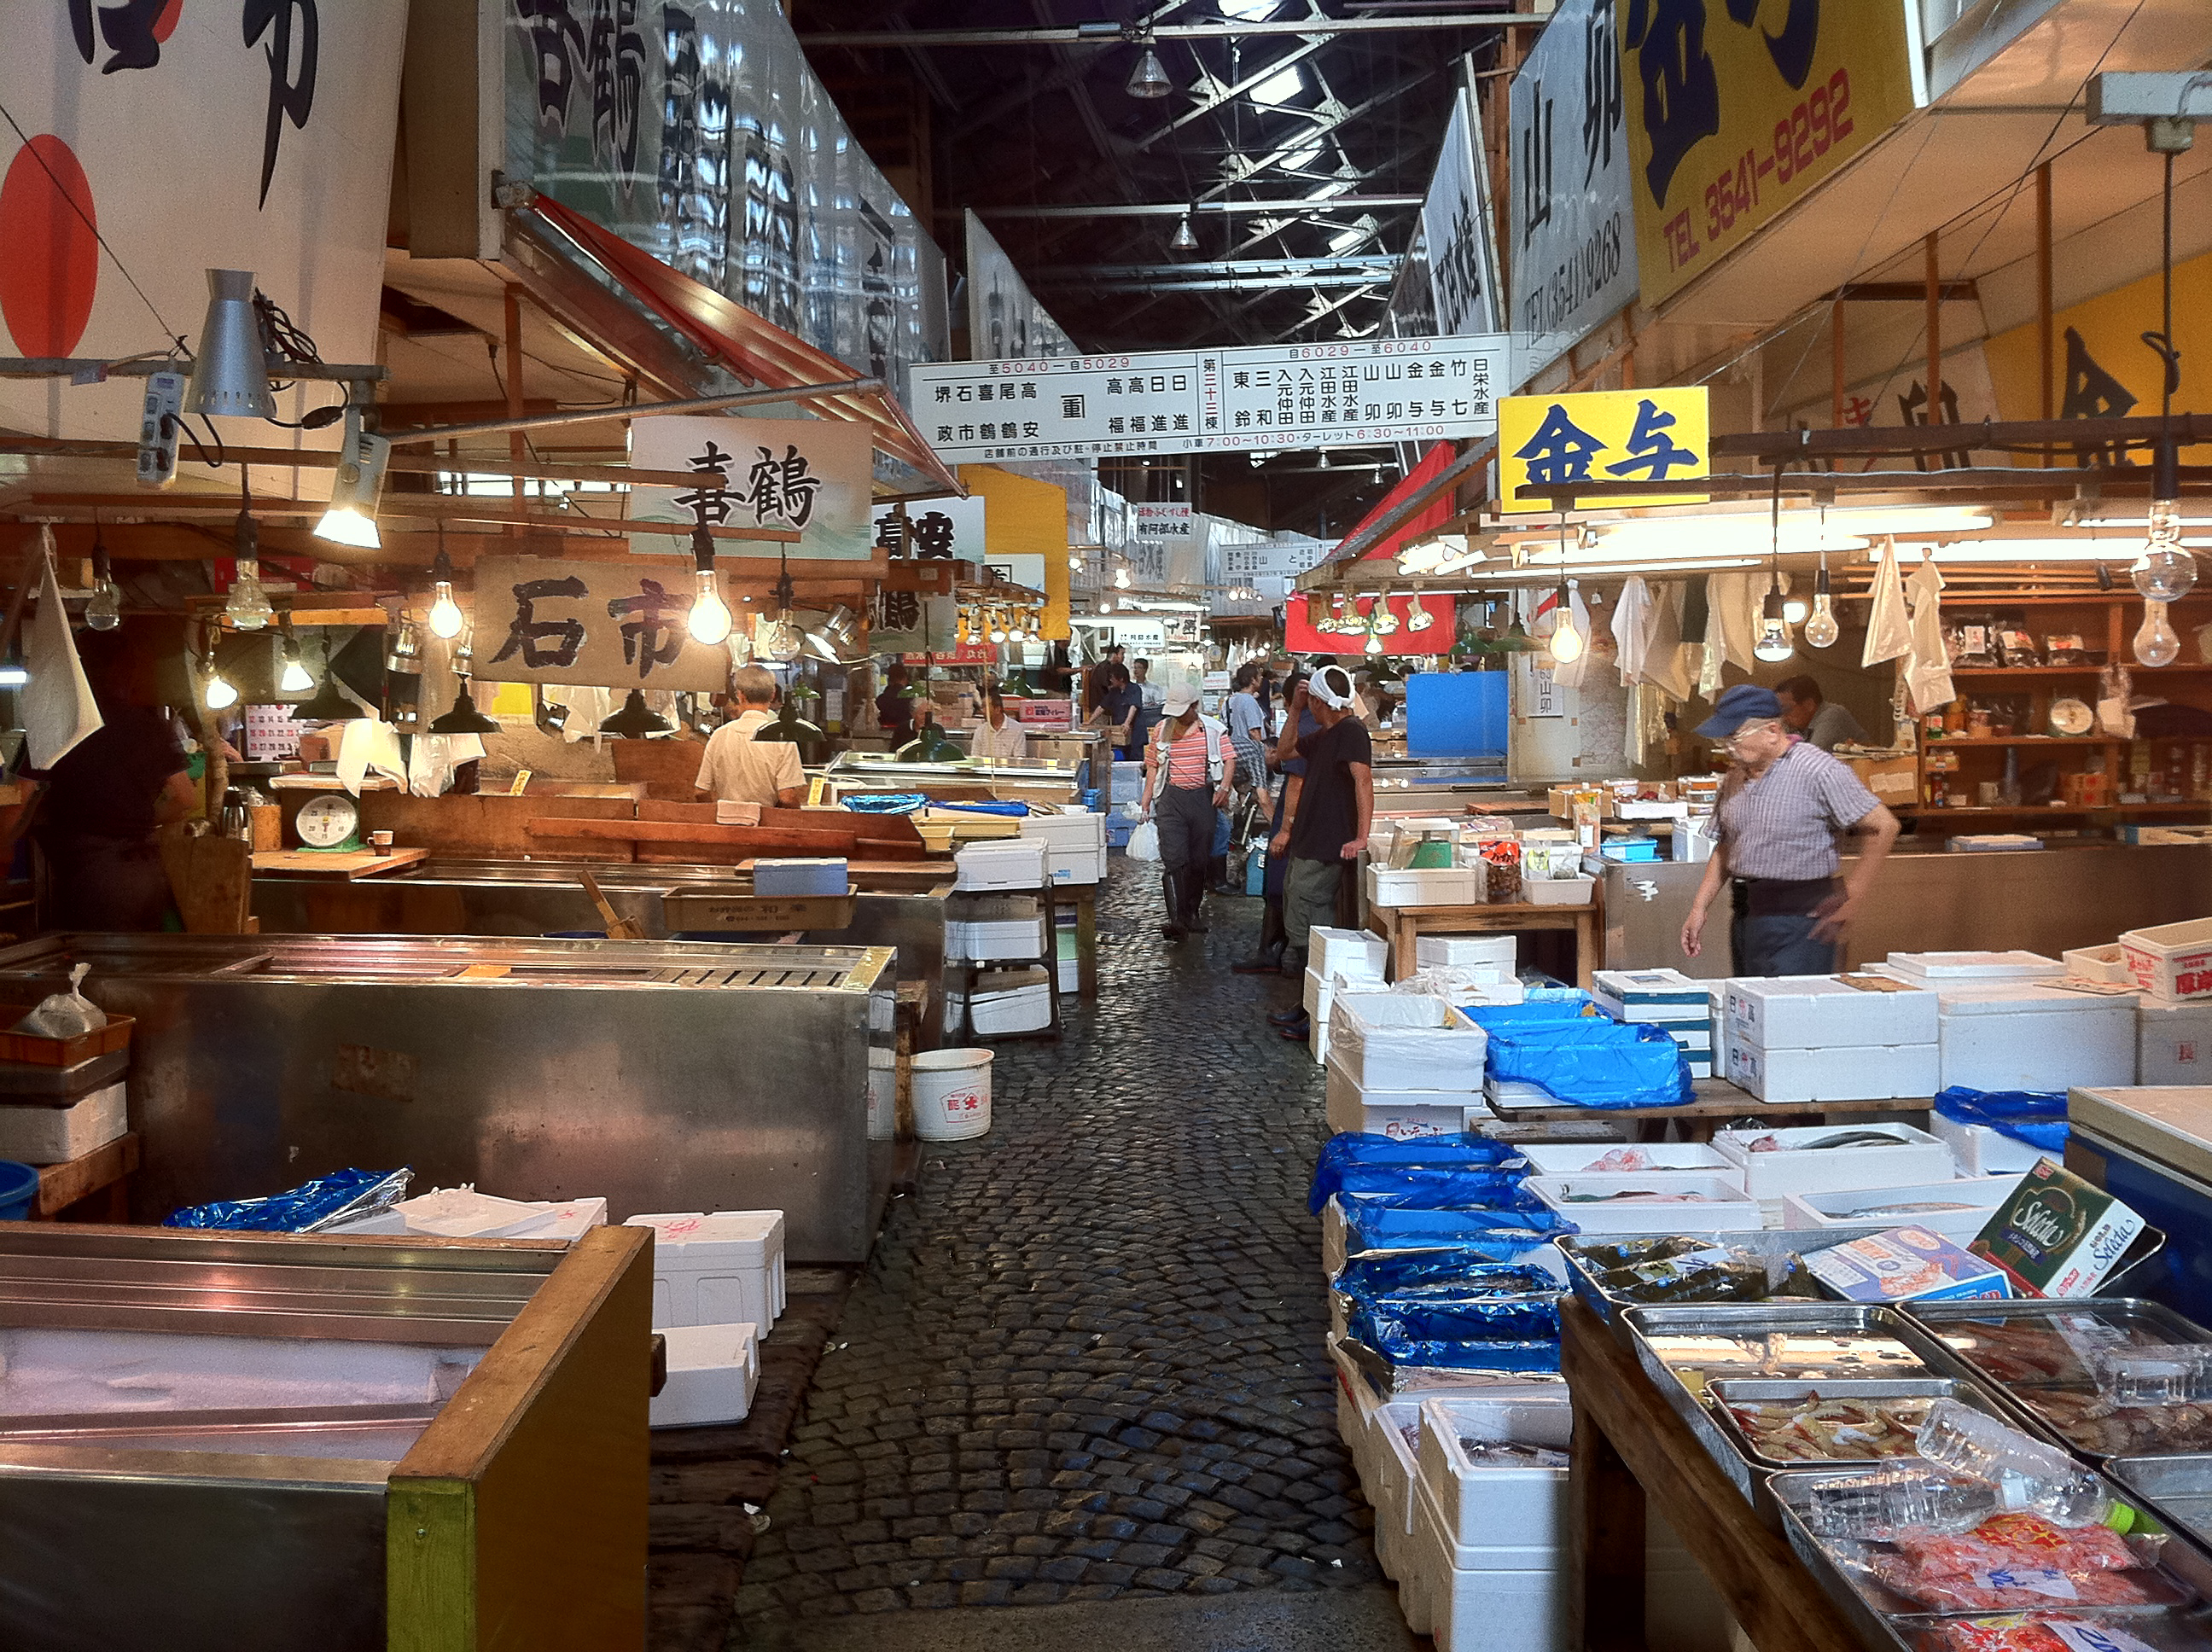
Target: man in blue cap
pixel 1781 809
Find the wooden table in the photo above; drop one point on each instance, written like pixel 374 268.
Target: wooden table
pixel 310 863
pixel 1085 898
pixel 1404 926
pixel 1716 1101
pixel 105 1169
pixel 1631 1452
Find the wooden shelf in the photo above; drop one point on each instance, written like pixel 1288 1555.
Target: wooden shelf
pixel 2115 811
pixel 1999 672
pixel 1994 741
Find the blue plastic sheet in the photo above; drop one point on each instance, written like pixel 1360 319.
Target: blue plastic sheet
pixel 986 807
pixel 1507 1318
pixel 1597 1064
pixel 304 1209
pixel 887 802
pixel 1439 1151
pixel 1379 1270
pixel 2036 1117
pixel 1370 1226
pixel 1549 1010
pixel 1433 1187
pixel 1445 1279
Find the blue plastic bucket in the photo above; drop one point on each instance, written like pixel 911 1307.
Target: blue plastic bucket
pixel 19 1185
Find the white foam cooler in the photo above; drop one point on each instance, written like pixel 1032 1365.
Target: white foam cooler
pixel 1075 844
pixel 34 1133
pixel 1354 952
pixel 2174 1043
pixel 2020 1035
pixel 721 1268
pixel 1465 951
pixel 1399 1041
pixel 1404 1115
pixel 713 1373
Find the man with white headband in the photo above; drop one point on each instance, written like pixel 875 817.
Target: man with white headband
pixel 1327 812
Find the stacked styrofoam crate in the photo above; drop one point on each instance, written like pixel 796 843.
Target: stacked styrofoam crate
pixel 1004 863
pixel 1662 997
pixel 1011 1000
pixel 1487 959
pixel 2005 1024
pixel 1404 1065
pixel 994 928
pixel 2173 1041
pixel 1338 959
pixel 718 1286
pixel 1813 1038
pixel 1075 844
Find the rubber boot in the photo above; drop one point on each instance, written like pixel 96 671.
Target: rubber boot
pixel 1171 892
pixel 1269 957
pixel 1217 871
pixel 1194 905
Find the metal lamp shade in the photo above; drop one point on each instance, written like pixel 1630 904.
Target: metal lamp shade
pixel 635 720
pixel 230 374
pixel 465 719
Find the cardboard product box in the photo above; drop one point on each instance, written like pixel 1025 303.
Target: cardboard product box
pixel 2174 1042
pixel 1905 1265
pixel 1824 1011
pixel 1892 779
pixel 2056 1236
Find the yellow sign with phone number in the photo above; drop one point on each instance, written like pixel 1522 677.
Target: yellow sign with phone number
pixel 1738 109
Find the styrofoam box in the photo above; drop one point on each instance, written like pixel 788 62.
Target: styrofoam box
pixel 1874 1072
pixel 2174 1043
pixel 713 1371
pixel 2172 960
pixel 1465 951
pixel 1575 1158
pixel 1976 966
pixel 1347 952
pixel 2107 964
pixel 32 1134
pixel 1402 1114
pixel 1008 1001
pixel 1981 1194
pixel 1321 990
pixel 721 1268
pixel 1423 886
pixel 1657 997
pixel 1573 891
pixel 1008 863
pixel 1723 1207
pixel 1915 1159
pixel 2018 1036
pixel 1981 1149
pixel 1488 1506
pixel 1820 1012
pixel 1404 1041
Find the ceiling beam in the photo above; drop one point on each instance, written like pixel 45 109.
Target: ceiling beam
pixel 293 458
pixel 1225 284
pixel 1116 34
pixel 1229 95
pixel 1291 272
pixel 1304 205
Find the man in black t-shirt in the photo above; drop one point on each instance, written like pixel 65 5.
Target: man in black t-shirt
pixel 1327 812
pixel 894 710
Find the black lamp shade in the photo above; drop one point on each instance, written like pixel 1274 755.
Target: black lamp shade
pixel 635 720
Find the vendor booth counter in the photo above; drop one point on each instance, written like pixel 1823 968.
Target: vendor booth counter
pixel 665 1076
pixel 219 1440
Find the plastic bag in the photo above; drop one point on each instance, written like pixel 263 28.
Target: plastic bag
pixel 1392 1272
pixel 1593 1063
pixel 1495 1018
pixel 1340 1152
pixel 1370 1227
pixel 887 802
pixel 1145 842
pixel 1512 1319
pixel 1434 1187
pixel 342 1196
pixel 65 1015
pixel 2035 1117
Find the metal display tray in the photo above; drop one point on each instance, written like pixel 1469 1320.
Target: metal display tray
pixel 1934 1319
pixel 2178 1491
pixel 1776 1247
pixel 2183 1563
pixel 1729 1391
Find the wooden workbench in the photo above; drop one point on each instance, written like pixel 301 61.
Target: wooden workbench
pixel 311 863
pixel 1403 927
pixel 1716 1102
pixel 1631 1454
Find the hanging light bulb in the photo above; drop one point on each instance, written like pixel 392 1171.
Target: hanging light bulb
pixel 1374 642
pixel 230 372
pixel 105 611
pixel 295 679
pixel 1075 564
pixel 1121 579
pixel 1820 628
pixel 998 632
pixel 1184 240
pixel 1149 79
pixel 2165 571
pixel 221 695
pixel 351 518
pixel 446 616
pixel 1773 644
pixel 2156 642
pixel 1566 642
pixel 710 616
pixel 1795 610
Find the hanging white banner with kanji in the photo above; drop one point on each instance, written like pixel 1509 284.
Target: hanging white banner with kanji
pixel 808 475
pixel 935 529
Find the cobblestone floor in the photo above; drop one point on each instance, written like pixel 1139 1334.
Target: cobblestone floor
pixel 1086 1361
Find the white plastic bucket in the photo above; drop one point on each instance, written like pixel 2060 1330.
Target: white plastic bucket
pixel 951 1094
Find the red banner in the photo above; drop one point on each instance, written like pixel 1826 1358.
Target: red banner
pixel 966 654
pixel 1302 636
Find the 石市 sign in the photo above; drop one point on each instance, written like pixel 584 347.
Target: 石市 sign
pixel 615 624
pixel 1738 109
pixel 1603 435
pixel 1265 397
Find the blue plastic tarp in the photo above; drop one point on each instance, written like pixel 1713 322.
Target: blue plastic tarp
pixel 1599 1063
pixel 1442 1151
pixel 1437 1188
pixel 1549 1010
pixel 1511 1319
pixel 2036 1117
pixel 1370 1226
pixel 1446 1284
pixel 302 1209
pixel 1380 1268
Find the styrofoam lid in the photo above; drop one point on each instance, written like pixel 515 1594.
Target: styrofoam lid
pixel 1986 966
pixel 1778 987
pixel 746 1233
pixel 2026 997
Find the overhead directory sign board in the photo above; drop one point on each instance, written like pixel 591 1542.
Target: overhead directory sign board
pixel 1573 214
pixel 1738 109
pixel 1603 436
pixel 1258 400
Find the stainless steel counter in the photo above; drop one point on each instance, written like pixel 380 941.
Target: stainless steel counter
pixel 1931 901
pixel 666 1076
pixel 530 899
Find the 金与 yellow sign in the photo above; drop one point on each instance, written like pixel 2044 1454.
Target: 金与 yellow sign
pixel 1603 435
pixel 1738 109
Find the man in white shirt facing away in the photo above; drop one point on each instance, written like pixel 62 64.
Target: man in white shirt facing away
pixel 741 768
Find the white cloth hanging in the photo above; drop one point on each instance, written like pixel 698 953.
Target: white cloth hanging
pixel 1889 629
pixel 587 708
pixel 1927 674
pixel 368 744
pixel 431 763
pixel 1669 666
pixel 1631 623
pixel 1735 599
pixel 59 713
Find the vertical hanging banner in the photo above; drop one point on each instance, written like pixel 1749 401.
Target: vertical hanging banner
pixel 238 137
pixel 1573 212
pixel 808 475
pixel 1456 233
pixel 1603 436
pixel 1004 317
pixel 1170 547
pixel 1738 109
pixel 613 624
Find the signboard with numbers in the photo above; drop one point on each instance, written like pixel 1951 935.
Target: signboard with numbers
pixel 1254 399
pixel 1283 558
pixel 1603 436
pixel 811 474
pixel 1738 109
pixel 1573 215
pixel 553 620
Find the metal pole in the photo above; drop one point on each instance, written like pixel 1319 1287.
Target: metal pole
pixel 1836 365
pixel 1935 334
pixel 1115 35
pixel 637 409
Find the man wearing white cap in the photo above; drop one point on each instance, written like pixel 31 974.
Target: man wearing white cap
pixel 1187 775
pixel 1327 813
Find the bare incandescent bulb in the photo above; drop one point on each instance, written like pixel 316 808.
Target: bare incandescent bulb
pixel 1820 628
pixel 221 695
pixel 1773 644
pixel 710 615
pixel 2156 642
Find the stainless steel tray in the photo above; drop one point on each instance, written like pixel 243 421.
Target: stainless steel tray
pixel 1941 1322
pixel 1728 1392
pixel 1776 1247
pixel 2178 1491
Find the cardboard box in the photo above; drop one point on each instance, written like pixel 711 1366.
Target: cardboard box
pixel 1892 779
pixel 2057 1235
pixel 1905 1265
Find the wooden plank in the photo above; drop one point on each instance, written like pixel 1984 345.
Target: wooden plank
pixel 1764 1586
pixel 770 840
pixel 666 768
pixel 211 879
pixel 747 914
pixel 1605 1540
pixel 304 863
pixel 61 1186
pixel 491 826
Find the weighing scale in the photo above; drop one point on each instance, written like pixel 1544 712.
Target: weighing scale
pixel 330 824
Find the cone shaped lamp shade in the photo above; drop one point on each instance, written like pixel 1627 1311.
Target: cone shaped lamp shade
pixel 464 718
pixel 230 372
pixel 1149 79
pixel 635 720
pixel 328 706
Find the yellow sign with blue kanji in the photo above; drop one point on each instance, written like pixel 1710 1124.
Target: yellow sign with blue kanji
pixel 1603 436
